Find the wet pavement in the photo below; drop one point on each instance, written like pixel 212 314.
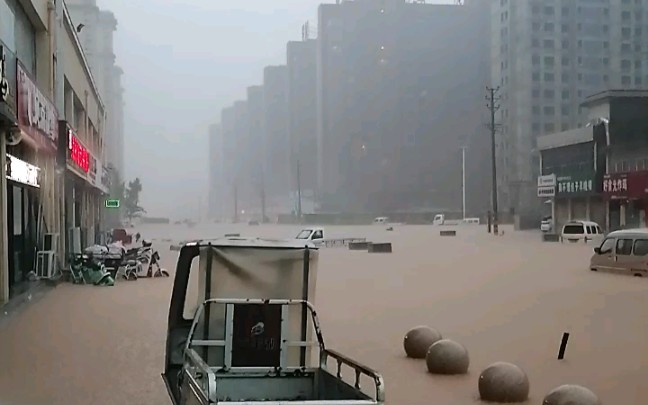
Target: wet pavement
pixel 506 298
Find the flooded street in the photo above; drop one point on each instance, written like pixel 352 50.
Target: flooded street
pixel 506 298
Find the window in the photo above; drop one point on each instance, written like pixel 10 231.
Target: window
pixel 192 296
pixel 624 247
pixel 573 230
pixel 641 247
pixel 318 234
pixel 607 246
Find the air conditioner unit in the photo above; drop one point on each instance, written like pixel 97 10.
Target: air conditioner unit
pixel 74 240
pixel 45 264
pixel 50 242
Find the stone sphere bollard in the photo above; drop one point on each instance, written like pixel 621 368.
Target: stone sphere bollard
pixel 447 357
pixel 571 395
pixel 504 383
pixel 418 340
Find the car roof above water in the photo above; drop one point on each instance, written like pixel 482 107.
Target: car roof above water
pixel 636 232
pixel 579 222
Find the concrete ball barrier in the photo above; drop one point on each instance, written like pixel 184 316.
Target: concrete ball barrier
pixel 504 383
pixel 571 395
pixel 447 357
pixel 418 340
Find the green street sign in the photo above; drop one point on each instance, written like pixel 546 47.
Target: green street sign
pixel 112 203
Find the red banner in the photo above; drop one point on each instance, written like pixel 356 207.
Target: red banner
pixel 627 185
pixel 37 116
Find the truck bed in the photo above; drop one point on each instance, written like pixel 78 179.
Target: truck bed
pixel 307 386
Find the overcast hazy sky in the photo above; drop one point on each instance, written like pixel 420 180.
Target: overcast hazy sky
pixel 183 61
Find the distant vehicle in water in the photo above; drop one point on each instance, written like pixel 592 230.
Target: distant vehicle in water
pixel 545 224
pixel 623 251
pixel 580 231
pixel 439 219
pixel 316 236
pixel 380 220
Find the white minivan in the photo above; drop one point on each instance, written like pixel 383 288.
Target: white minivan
pixel 581 231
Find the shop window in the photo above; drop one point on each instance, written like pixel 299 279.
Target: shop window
pixel 624 247
pixel 641 247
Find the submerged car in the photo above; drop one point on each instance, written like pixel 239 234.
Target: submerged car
pixel 624 251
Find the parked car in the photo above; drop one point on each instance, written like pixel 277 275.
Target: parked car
pixel 546 224
pixel 580 231
pixel 623 251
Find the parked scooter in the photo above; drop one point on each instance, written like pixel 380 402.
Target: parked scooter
pixel 151 257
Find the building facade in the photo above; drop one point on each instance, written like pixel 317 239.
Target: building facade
pixel 572 167
pixel 277 142
pixel 623 122
pixel 400 90
pixel 81 144
pixel 302 113
pixel 42 67
pixel 546 58
pixel 215 190
pixel 256 133
pixel 96 37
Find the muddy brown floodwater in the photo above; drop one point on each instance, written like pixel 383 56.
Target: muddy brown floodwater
pixel 506 298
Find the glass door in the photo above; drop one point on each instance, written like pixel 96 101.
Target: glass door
pixel 17 235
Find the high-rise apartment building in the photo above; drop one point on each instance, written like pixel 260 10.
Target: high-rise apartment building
pixel 256 133
pixel 547 56
pixel 400 90
pixel 302 111
pixel 95 30
pixel 277 143
pixel 216 190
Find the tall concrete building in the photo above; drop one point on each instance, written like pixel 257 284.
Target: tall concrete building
pixel 546 58
pixel 302 111
pixel 277 144
pixel 95 30
pixel 216 190
pixel 400 90
pixel 256 135
pixel 229 179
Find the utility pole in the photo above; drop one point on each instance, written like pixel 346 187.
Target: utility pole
pixel 299 200
pixel 492 98
pixel 463 180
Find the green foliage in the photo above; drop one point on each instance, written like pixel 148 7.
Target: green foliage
pixel 130 200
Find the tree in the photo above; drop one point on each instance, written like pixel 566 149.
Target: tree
pixel 131 199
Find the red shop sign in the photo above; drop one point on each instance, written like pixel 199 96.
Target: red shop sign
pixel 628 185
pixel 37 116
pixel 78 153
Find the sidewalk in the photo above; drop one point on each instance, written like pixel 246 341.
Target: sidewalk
pixel 35 291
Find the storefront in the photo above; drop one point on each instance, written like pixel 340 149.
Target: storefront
pixel 572 196
pixel 23 204
pixel 83 195
pixel 627 198
pixel 578 197
pixel 37 141
pixel 8 122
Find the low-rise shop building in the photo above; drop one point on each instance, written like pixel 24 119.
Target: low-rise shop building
pixel 620 118
pixel 571 172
